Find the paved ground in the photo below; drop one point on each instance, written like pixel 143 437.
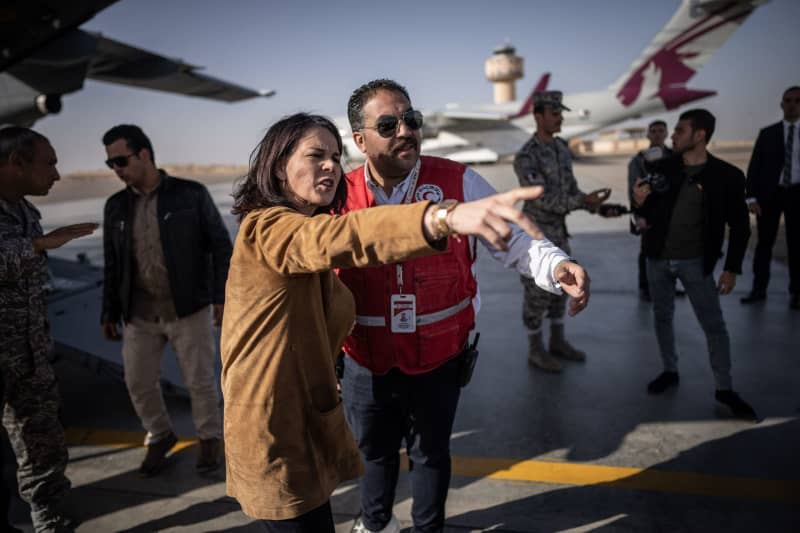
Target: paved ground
pixel 584 450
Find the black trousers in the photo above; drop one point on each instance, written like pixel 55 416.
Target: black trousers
pixel 642 261
pixel 386 411
pixel 319 520
pixel 785 201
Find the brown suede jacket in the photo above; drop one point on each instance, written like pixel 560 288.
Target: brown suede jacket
pixel 287 445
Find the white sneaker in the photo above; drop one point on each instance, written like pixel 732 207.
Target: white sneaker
pixel 392 527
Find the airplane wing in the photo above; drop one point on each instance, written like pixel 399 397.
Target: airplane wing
pixel 470 136
pixel 478 136
pixel 26 26
pixel 120 63
pixel 32 87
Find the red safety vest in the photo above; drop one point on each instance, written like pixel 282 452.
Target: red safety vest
pixel 443 285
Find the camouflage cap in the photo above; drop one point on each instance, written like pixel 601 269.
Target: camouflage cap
pixel 549 98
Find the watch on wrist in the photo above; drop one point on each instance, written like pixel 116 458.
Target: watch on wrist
pixel 442 210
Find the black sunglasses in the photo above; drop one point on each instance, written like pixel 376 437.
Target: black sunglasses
pixel 386 125
pixel 120 161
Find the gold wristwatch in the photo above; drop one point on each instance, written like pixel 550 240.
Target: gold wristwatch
pixel 442 210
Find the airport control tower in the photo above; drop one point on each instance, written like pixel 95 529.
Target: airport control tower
pixel 504 68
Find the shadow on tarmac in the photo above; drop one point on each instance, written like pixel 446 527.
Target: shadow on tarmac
pixel 622 505
pixel 596 411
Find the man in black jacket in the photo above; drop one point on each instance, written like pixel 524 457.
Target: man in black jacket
pixel 166 262
pixel 687 219
pixel 773 187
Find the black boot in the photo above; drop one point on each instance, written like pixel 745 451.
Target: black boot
pixel 739 407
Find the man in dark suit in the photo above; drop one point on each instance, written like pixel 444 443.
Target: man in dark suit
pixel 773 187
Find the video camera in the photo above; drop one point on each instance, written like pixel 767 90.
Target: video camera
pixel 658 182
pixel 612 210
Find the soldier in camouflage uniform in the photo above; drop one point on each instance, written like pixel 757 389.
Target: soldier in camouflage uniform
pixel 546 160
pixel 30 397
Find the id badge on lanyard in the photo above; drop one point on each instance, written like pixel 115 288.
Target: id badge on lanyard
pixel 404 313
pixel 403 307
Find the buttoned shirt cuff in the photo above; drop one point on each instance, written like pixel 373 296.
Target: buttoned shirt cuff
pixel 544 257
pixel 751 201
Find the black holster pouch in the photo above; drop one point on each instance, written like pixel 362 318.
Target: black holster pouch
pixel 467 361
pixel 339 366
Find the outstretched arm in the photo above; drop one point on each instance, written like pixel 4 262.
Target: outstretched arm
pixel 292 243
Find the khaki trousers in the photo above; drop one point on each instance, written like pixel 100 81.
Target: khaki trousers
pixel 193 340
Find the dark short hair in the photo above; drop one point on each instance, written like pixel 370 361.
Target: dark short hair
pixel 790 89
pixel 657 123
pixel 261 187
pixel 359 98
pixel 134 137
pixel 19 140
pixel 701 119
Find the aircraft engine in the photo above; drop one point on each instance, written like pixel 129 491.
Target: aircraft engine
pixel 48 104
pixel 26 111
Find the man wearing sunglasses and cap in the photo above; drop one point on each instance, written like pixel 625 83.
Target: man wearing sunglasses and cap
pixel 407 356
pixel 166 262
pixel 546 160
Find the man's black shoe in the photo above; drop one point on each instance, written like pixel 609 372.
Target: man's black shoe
pixel 739 407
pixel 209 457
pixel 156 452
pixel 664 381
pixel 753 297
pixel 794 301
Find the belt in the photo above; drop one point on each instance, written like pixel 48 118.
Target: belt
pixel 422 320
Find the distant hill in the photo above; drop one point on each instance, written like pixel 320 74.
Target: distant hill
pixel 102 183
pixel 187 170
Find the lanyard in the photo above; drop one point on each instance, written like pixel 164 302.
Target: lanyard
pixel 412 179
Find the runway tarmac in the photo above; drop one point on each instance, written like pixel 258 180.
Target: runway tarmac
pixel 584 450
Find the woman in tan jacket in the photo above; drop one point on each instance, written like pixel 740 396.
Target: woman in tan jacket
pixel 287 314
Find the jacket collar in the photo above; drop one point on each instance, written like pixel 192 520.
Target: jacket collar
pixel 13 209
pixel 164 183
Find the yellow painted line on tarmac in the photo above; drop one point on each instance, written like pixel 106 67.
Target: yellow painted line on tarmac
pixel 560 473
pixel 114 438
pixel 651 479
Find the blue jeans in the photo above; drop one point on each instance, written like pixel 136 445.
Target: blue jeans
pixel 704 297
pixel 385 410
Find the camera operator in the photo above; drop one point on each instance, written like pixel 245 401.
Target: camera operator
pixel 684 240
pixel 638 168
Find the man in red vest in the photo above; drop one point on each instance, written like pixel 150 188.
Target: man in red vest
pixel 403 373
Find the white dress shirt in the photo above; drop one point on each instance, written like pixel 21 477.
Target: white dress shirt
pixel 535 259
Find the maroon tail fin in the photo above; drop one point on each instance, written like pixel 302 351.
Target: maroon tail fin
pixel 527 106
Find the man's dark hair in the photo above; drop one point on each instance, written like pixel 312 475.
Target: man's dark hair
pixel 355 106
pixel 657 123
pixel 262 187
pixel 19 140
pixel 538 109
pixel 790 89
pixel 701 119
pixel 134 137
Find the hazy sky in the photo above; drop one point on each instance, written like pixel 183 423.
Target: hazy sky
pixel 315 53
